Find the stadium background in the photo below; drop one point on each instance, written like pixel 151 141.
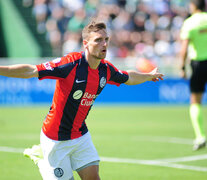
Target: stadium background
pixel 142 31
pixel 41 30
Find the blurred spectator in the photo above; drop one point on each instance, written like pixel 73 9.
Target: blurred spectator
pixel 77 22
pixel 72 5
pixel 40 11
pixel 143 28
pixel 71 42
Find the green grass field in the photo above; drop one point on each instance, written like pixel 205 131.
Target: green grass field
pixel 125 137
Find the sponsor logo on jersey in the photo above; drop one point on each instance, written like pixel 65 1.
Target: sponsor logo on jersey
pixel 58 172
pixel 79 81
pixel 48 66
pixel 102 82
pixel 77 94
pixel 88 99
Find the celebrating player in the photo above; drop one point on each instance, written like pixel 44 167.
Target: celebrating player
pixel 194 35
pixel 81 76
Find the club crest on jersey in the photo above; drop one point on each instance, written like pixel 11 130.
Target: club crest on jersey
pixel 58 172
pixel 102 82
pixel 48 66
pixel 77 94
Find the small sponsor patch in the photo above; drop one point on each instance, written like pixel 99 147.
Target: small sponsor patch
pixel 58 172
pixel 48 66
pixel 57 60
pixel 77 94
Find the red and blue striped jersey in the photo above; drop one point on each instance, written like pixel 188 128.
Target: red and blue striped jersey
pixel 77 87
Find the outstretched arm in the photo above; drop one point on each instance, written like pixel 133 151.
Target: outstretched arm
pixel 138 78
pixel 19 71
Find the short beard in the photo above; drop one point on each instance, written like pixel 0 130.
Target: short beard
pixel 99 57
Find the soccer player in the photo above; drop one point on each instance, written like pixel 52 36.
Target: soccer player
pixel 81 76
pixel 194 36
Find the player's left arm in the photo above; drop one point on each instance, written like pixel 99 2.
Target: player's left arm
pixel 138 78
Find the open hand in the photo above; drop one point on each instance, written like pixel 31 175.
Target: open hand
pixel 156 76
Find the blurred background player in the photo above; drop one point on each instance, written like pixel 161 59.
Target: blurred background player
pixel 194 44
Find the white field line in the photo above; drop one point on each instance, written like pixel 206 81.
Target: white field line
pixel 154 163
pixel 185 159
pixel 163 163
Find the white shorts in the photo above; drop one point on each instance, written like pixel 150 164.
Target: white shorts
pixel 62 157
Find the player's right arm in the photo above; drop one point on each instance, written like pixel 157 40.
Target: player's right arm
pixel 19 71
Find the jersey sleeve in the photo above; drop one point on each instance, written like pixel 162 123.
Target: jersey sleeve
pixel 56 69
pixel 116 76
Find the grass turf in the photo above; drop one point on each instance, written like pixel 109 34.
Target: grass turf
pixel 132 132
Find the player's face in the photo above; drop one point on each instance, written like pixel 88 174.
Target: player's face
pixel 97 44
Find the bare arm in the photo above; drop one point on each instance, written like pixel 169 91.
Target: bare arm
pixel 183 56
pixel 138 78
pixel 19 71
